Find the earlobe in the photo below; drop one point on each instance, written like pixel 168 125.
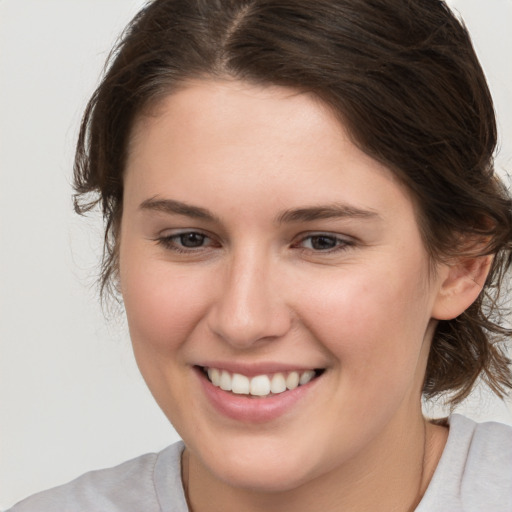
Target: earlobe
pixel 461 283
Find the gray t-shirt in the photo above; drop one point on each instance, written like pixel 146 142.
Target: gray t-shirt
pixel 473 475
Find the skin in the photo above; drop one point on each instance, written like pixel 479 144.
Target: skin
pixel 256 289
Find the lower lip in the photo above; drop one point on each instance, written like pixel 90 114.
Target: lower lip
pixel 253 410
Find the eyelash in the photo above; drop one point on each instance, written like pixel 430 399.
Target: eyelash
pixel 172 242
pixel 340 244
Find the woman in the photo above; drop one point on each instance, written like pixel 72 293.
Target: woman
pixel 304 225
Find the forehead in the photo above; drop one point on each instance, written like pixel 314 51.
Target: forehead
pixel 219 114
pixel 240 137
pixel 231 105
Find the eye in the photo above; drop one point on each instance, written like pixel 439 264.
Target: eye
pixel 191 240
pixel 323 242
pixel 186 241
pixel 320 242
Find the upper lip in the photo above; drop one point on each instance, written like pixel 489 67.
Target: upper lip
pixel 260 368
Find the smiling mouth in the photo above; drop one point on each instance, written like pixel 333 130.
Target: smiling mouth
pixel 260 386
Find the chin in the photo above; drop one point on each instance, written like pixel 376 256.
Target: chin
pixel 263 478
pixel 262 468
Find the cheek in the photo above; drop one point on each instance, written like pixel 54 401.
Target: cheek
pixel 370 321
pixel 162 307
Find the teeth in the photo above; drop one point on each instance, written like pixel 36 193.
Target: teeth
pixel 225 381
pixel 306 377
pixel 278 383
pixel 240 384
pixel 261 385
pixel 214 376
pixel 292 381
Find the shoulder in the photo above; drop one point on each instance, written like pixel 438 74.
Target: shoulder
pixel 475 470
pixel 131 486
pixel 488 464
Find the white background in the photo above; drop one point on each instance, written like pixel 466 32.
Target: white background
pixel 71 398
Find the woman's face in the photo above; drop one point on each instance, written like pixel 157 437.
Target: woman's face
pixel 258 240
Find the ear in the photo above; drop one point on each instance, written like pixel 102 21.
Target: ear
pixel 461 282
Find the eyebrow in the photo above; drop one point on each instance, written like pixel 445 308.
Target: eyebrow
pixel 306 214
pixel 331 211
pixel 177 208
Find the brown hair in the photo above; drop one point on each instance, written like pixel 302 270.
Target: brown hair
pixel 405 80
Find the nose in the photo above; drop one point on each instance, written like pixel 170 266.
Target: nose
pixel 249 307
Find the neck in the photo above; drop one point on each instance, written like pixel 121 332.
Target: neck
pixel 391 475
